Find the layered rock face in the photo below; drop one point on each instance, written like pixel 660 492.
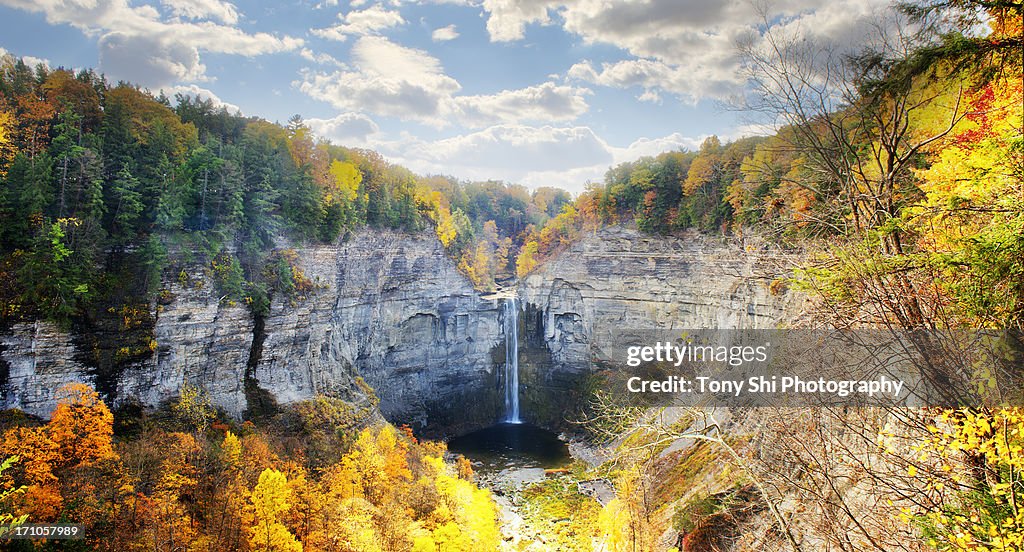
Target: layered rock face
pixel 387 306
pixel 36 358
pixel 580 306
pixel 197 340
pixel 393 309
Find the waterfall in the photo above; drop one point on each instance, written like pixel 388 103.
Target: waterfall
pixel 511 361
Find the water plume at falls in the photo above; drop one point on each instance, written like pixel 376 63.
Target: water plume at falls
pixel 511 361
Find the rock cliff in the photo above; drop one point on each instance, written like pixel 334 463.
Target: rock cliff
pixel 387 306
pixel 393 309
pixel 580 305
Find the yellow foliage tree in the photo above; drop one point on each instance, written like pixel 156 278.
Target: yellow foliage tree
pixel 345 178
pixel 231 447
pixel 342 480
pixel 308 503
pixel 706 166
pixel 972 215
pixel 990 516
pixel 167 524
pixel 527 259
pixel 450 538
pixel 473 524
pixel 446 231
pixel 351 527
pixel 614 519
pixel 193 407
pixel 6 120
pixel 379 460
pixel 477 264
pixel 6 127
pixel 270 501
pixel 9 521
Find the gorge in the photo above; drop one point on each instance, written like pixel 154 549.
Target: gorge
pixel 391 296
pixel 391 308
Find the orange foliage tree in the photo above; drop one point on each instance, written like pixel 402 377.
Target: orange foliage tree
pixel 69 466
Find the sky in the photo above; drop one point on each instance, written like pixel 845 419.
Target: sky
pixel 535 92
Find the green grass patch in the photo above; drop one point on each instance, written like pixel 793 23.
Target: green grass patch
pixel 566 519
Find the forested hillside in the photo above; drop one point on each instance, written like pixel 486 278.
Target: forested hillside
pixel 103 183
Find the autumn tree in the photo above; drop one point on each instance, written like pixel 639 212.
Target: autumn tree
pixel 81 426
pixel 9 521
pixel 166 523
pixel 7 127
pixel 194 408
pixel 991 518
pixel 69 462
pixel 852 114
pixel 270 501
pixel 38 460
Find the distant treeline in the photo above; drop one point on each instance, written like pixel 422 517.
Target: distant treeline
pixel 757 183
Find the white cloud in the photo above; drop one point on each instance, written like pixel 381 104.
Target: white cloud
pixel 380 56
pixel 395 81
pixel 405 99
pixel 354 129
pixel 750 129
pixel 650 96
pixel 643 147
pixel 135 43
pixel 669 30
pixel 444 34
pixel 846 25
pixel 31 61
pixel 683 47
pixel 149 60
pixel 507 19
pixel 515 147
pixel 202 93
pixel 321 58
pixel 389 80
pixel 203 9
pixel 97 17
pixel 361 22
pixel 545 102
pixel 690 83
pixel 514 153
pixel 573 180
